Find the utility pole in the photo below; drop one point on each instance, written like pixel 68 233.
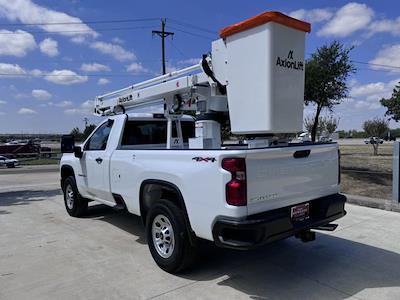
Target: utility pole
pixel 163 34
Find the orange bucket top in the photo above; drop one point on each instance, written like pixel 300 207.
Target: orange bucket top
pixel 265 17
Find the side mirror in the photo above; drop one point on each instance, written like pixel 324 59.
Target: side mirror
pixel 78 151
pixel 67 144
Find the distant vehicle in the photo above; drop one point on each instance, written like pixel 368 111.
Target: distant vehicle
pixel 389 138
pixel 18 142
pixel 14 148
pixel 7 162
pixel 325 139
pixel 373 140
pixel 304 137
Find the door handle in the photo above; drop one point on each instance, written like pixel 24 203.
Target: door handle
pixel 301 153
pixel 99 160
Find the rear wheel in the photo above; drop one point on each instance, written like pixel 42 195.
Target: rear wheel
pixel 75 204
pixel 167 237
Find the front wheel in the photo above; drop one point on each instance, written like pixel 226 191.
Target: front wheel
pixel 75 204
pixel 168 238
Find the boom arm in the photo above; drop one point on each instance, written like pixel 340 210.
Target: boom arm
pixel 147 92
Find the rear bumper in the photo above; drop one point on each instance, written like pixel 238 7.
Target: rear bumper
pixel 276 224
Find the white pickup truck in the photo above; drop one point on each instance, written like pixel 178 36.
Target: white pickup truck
pixel 238 198
pixel 175 172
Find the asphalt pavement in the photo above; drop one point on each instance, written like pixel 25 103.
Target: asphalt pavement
pixel 45 254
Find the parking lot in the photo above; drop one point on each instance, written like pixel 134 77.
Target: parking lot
pixel 45 254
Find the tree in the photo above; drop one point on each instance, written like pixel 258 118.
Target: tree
pixel 326 125
pixel 325 79
pixel 331 124
pixel 88 130
pixel 76 133
pixel 309 124
pixel 376 129
pixel 392 104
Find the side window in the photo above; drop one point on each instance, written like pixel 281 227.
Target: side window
pixel 153 132
pixel 99 139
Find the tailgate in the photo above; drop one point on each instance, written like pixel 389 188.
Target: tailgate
pixel 279 177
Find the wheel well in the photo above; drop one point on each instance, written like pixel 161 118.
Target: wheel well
pixel 154 190
pixel 66 171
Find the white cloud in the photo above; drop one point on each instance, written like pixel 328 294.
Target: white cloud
pixel 113 50
pixel 117 40
pixel 63 104
pixel 3 102
pixel 348 19
pixel 103 81
pixel 312 15
pixel 79 39
pixel 72 111
pixel 189 61
pixel 49 47
pixel 11 70
pixel 16 71
pixel 27 12
pixel 35 72
pixel 84 109
pixel 41 94
pixel 368 96
pixel 94 67
pixel 89 104
pixel 385 25
pixel 2 113
pixel 136 68
pixel 367 105
pixel 16 43
pixel 367 89
pixel 387 56
pixel 65 77
pixel 170 67
pixel 26 111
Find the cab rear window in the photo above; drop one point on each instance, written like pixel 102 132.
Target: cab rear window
pixel 153 132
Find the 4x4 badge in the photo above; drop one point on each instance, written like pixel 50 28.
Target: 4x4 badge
pixel 205 159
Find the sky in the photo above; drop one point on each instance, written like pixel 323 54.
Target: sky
pixel 50 73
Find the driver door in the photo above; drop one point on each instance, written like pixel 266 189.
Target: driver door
pixel 96 163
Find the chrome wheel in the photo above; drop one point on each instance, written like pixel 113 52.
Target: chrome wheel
pixel 69 196
pixel 163 236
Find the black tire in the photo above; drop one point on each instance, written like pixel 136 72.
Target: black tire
pixel 11 165
pixel 79 205
pixel 184 253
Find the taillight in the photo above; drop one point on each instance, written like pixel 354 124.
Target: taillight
pixel 339 173
pixel 236 193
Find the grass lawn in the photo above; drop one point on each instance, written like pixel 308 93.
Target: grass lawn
pixel 40 161
pixel 364 174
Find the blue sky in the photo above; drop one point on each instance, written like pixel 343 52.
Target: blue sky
pixel 49 74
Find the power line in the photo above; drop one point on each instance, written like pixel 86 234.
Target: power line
pixel 70 75
pixel 192 26
pixel 78 31
pixel 81 22
pixel 192 33
pixel 378 65
pixel 177 49
pixel 371 64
